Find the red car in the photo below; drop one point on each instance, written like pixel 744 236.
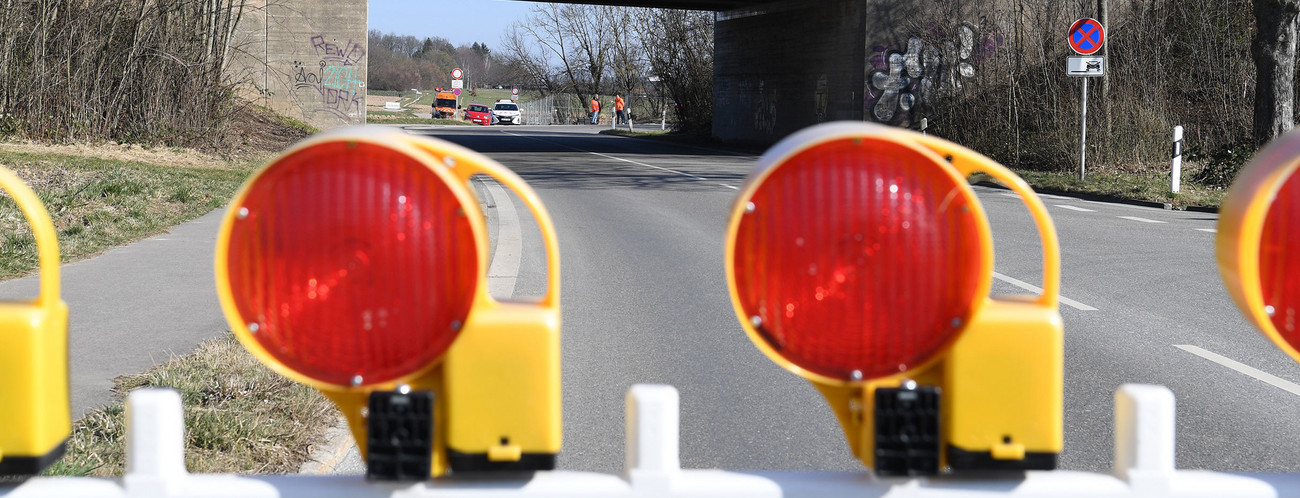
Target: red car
pixel 478 113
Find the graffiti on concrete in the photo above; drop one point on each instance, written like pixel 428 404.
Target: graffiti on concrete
pixel 819 98
pixel 762 100
pixel 349 55
pixel 333 85
pixel 901 81
pixel 765 110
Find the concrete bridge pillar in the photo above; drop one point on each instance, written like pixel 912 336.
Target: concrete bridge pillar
pixel 305 59
pixel 783 66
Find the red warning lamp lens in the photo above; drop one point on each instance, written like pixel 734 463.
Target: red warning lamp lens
pixel 352 259
pixel 860 258
pixel 1279 261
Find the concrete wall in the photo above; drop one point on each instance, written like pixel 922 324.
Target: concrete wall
pixel 788 65
pixel 784 67
pixel 305 59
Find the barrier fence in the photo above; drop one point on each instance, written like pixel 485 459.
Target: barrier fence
pixel 1144 466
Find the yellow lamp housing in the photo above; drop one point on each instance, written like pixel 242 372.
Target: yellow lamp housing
pixel 356 263
pixel 859 258
pixel 35 420
pixel 1258 242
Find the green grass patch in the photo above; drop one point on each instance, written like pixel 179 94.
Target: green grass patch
pixel 291 122
pixel 1150 186
pixel 240 417
pixel 371 118
pixel 653 133
pixel 97 203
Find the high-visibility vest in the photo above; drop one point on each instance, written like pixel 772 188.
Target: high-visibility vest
pixel 618 104
pixel 595 105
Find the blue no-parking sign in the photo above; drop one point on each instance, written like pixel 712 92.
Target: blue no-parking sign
pixel 1087 36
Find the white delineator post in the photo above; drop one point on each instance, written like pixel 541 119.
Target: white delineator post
pixel 1177 158
pixel 1144 437
pixel 652 436
pixel 155 442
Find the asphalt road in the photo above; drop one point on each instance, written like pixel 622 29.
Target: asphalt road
pixel 645 301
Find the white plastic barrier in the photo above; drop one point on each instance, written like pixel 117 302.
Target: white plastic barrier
pixel 1144 467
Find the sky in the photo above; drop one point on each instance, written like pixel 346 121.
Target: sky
pixel 462 22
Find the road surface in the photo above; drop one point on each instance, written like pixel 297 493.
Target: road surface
pixel 641 227
pixel 645 301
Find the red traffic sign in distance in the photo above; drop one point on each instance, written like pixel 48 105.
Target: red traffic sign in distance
pixel 514 91
pixel 1087 36
pixel 457 73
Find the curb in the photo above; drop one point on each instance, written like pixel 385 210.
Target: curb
pixel 326 458
pixel 1109 199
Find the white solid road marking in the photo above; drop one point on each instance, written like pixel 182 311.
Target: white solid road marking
pixel 1211 230
pixel 638 163
pixel 1033 288
pixel 1135 218
pixel 1258 374
pixel 1009 194
pixel 503 272
pixel 1074 208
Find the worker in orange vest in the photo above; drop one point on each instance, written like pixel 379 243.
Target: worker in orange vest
pixel 619 117
pixel 595 108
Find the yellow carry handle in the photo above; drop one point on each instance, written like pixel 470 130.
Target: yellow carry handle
pixel 502 376
pixel 35 418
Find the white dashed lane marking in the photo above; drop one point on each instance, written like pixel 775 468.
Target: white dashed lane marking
pixel 1135 218
pixel 1258 374
pixel 1074 208
pixel 1034 288
pixel 1211 230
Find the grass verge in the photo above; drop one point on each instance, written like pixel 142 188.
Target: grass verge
pixel 1148 186
pixel 381 117
pixel 1139 184
pixel 240 417
pixel 98 203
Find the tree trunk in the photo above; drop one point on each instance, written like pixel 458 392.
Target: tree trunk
pixel 1274 52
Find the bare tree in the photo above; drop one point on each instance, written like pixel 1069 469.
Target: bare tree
pixel 530 60
pixel 133 70
pixel 679 47
pixel 627 59
pixel 1274 53
pixel 563 46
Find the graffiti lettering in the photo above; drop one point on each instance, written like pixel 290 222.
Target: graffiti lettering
pixel 332 89
pixel 765 110
pixel 902 81
pixel 348 55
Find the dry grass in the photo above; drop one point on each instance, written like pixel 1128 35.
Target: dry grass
pixel 1140 184
pixel 380 117
pixel 98 203
pixel 240 417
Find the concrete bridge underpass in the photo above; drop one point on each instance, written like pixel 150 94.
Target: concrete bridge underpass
pixel 778 66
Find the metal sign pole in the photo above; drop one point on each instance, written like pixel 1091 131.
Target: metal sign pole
pixel 1083 129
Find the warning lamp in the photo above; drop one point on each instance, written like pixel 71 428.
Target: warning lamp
pixel 859 258
pixel 356 262
pixel 1258 241
pixel 35 420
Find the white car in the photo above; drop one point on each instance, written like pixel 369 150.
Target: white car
pixel 507 112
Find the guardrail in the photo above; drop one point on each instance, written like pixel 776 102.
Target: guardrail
pixel 1144 466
